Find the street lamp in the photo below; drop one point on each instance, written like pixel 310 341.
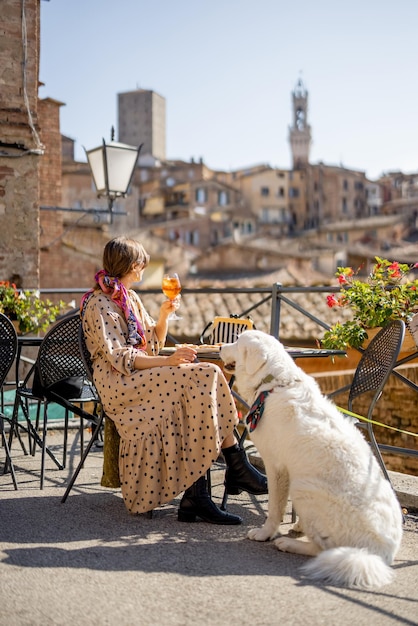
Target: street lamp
pixel 112 166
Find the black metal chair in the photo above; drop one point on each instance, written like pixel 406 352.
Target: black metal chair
pixel 372 372
pixel 96 419
pixel 59 375
pixel 8 350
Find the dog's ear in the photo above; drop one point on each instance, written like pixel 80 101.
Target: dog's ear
pixel 254 358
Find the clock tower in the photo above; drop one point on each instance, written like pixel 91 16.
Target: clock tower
pixel 300 131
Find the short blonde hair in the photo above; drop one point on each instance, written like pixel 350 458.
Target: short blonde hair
pixel 121 253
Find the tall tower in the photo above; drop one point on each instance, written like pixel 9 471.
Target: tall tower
pixel 141 119
pixel 300 132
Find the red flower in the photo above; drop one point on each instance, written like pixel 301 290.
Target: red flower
pixel 394 270
pixel 332 301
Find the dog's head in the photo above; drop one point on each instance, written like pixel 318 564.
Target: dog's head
pixel 259 361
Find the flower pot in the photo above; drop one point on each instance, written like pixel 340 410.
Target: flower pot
pixel 409 343
pixel 16 325
pixel 412 326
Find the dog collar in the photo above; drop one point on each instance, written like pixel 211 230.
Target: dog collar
pixel 256 411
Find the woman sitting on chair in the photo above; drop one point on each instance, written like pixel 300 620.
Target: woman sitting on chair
pixel 173 415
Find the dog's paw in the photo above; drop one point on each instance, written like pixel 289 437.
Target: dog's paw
pixel 259 534
pixel 283 544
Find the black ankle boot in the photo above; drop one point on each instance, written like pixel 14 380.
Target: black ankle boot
pixel 196 502
pixel 240 475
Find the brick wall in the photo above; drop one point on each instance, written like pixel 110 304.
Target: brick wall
pixel 52 226
pixel 51 163
pixel 19 69
pixel 65 261
pixel 397 407
pixel 19 167
pixel 73 260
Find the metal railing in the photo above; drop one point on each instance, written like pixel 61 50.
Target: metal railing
pixel 275 296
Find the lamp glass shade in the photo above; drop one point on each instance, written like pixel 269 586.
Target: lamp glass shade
pixel 112 166
pixel 95 160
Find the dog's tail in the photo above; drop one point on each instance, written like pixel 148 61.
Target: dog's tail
pixel 351 567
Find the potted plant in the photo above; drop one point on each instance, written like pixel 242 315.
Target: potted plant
pixel 26 309
pixel 387 294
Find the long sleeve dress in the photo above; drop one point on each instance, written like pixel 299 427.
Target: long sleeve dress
pixel 171 420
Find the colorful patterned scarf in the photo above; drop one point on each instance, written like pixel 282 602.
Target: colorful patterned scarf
pixel 112 286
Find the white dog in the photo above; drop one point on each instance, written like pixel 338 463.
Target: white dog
pixel 347 509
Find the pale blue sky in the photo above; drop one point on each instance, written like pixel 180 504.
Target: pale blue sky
pixel 227 69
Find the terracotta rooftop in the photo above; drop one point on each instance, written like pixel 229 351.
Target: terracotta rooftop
pixel 199 309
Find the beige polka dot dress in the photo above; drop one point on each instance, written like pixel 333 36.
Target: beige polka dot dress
pixel 171 420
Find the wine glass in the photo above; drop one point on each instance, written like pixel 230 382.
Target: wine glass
pixel 171 288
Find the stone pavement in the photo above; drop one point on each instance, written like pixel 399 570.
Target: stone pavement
pixel 90 562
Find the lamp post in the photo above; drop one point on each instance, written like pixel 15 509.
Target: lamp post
pixel 112 166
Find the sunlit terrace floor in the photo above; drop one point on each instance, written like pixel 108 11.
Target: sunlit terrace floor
pixel 89 562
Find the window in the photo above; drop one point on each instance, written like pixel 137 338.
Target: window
pixel 201 195
pixel 192 237
pixel 293 192
pixel 273 215
pixel 223 198
pixel 264 215
pixel 344 206
pixel 280 193
pixel 265 191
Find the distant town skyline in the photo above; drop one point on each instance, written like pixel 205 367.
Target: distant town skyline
pixel 227 72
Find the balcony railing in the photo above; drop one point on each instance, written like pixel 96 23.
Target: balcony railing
pixel 268 306
pixel 268 301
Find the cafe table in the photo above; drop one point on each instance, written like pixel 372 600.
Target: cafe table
pixel 212 352
pixel 25 341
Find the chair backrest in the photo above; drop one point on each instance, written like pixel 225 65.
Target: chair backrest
pixel 8 346
pixel 59 356
pixel 225 329
pixel 85 354
pixel 376 363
